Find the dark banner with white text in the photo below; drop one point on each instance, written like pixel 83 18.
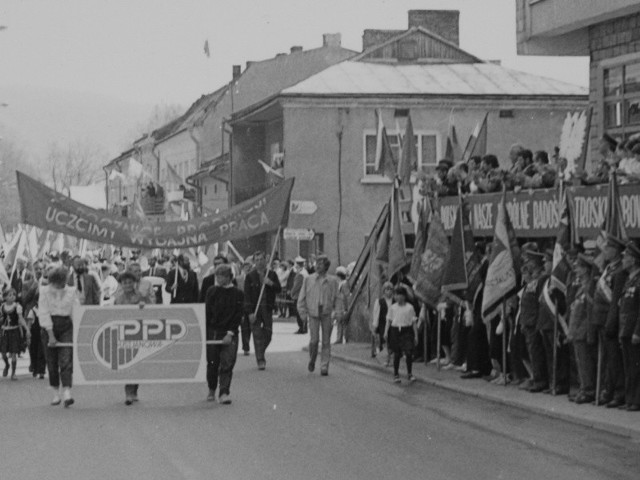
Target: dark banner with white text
pixel 534 213
pixel 44 208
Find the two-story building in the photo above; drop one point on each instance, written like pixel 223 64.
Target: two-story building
pixel 606 31
pixel 326 124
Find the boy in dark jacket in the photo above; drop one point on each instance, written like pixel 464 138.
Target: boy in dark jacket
pixel 224 304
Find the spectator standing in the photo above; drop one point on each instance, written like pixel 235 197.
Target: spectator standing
pixel 342 320
pixel 299 272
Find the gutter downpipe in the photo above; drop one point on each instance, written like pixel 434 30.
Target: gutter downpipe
pixel 225 122
pixel 198 165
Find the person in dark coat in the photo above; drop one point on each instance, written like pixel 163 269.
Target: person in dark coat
pixel 182 282
pixel 260 309
pixel 630 326
pixel 30 295
pixel 210 280
pixel 87 287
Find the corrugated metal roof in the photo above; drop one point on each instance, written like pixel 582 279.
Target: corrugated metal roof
pixel 368 78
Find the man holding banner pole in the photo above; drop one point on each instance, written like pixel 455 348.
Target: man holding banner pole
pixel 260 289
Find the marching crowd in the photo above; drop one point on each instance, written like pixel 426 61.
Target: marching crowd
pixel 241 300
pixel 596 358
pixel 531 170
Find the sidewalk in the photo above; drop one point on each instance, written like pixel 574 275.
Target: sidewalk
pixel 614 421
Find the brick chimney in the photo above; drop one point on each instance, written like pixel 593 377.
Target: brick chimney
pixel 296 48
pixel 445 23
pixel 236 71
pixel 331 40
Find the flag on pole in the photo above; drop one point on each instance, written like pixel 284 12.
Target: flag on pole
pixel 477 144
pixel 463 264
pixel 385 162
pixel 564 240
pixel 428 282
pixel 424 213
pixel 138 211
pixel 16 247
pixel 3 239
pixel 409 154
pixel 4 276
pixel 613 222
pixel 172 179
pixel 58 243
pixel 503 274
pixel 453 151
pixel 397 247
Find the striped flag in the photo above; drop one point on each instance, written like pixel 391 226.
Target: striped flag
pixel 409 155
pixel 385 162
pixel 503 273
pixel 477 144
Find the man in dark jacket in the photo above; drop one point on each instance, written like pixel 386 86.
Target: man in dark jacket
pixel 85 283
pixel 260 308
pixel 182 282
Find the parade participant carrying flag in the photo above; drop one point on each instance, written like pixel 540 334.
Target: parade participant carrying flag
pixel 503 274
pixel 409 155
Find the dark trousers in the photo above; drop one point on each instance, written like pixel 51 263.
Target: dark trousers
pixel 614 383
pixel 631 358
pixel 60 359
pixel 586 364
pixel 262 330
pixel 401 341
pixel 518 354
pixel 245 333
pixel 562 361
pixel 36 350
pixel 535 349
pixel 220 362
pixel 131 390
pixel 478 348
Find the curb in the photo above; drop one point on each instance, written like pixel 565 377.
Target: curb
pixel 602 426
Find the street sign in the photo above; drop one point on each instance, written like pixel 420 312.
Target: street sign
pixel 298 234
pixel 303 207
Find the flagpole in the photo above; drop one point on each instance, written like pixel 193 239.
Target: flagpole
pixel 599 371
pixel 504 342
pixel 273 252
pixel 438 346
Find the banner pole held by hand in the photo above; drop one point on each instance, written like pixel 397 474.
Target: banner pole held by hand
pixel 266 274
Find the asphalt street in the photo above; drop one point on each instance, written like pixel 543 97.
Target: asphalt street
pixel 285 423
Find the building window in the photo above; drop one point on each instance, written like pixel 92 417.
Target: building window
pixel 426 147
pixel 311 247
pixel 621 97
pixel 205 189
pixel 215 188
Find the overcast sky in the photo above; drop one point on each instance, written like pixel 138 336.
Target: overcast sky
pixel 151 51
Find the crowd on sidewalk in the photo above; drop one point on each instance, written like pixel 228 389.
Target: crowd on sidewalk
pixel 596 359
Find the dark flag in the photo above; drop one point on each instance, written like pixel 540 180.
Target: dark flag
pixel 463 265
pixel 561 266
pixel 424 213
pixel 503 274
pixel 397 247
pixel 613 222
pixel 428 282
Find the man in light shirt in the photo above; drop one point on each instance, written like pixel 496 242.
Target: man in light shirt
pixel 320 302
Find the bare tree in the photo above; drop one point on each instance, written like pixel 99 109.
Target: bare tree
pixel 160 115
pixel 12 158
pixel 77 163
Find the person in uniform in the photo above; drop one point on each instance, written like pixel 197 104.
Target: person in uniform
pixel 629 305
pixel 532 265
pixel 601 306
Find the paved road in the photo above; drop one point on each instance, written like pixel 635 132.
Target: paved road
pixel 285 423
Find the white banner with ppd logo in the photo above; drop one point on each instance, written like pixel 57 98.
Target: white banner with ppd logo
pixel 128 344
